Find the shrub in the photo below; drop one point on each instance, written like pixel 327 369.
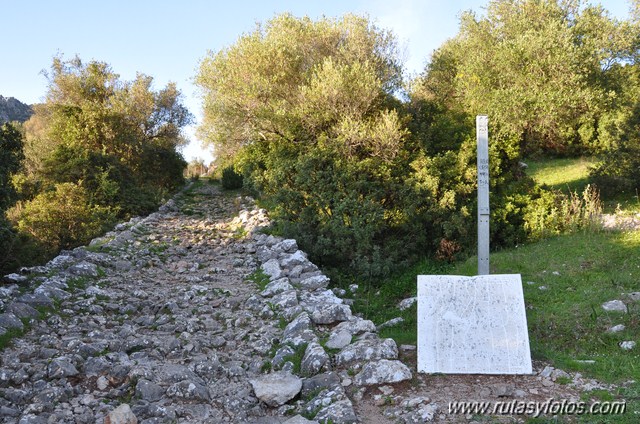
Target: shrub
pixel 63 218
pixel 554 213
pixel 231 180
pixel 18 249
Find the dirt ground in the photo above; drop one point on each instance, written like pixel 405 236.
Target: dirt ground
pixel 426 398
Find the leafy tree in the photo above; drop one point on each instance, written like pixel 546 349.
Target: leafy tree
pixel 96 150
pixel 63 218
pixel 291 80
pixel 11 156
pixel 196 168
pixel 545 71
pixel 307 110
pixel 116 138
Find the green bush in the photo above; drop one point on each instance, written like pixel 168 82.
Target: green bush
pixel 11 155
pixel 18 249
pixel 618 172
pixel 231 180
pixel 63 218
pixel 552 213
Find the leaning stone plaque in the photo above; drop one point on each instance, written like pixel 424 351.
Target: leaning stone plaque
pixel 472 325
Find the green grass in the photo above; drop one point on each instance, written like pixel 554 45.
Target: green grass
pixel 572 175
pixel 377 300
pixel 566 174
pixel 566 321
pixel 259 278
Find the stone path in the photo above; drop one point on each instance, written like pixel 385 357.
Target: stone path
pixel 156 322
pixel 192 315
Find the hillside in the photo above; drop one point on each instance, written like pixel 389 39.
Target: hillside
pixel 12 109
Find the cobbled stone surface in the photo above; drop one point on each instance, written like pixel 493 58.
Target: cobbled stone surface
pixel 158 322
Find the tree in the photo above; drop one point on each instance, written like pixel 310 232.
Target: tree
pixel 546 71
pixel 63 218
pixel 306 109
pixel 98 149
pixel 118 139
pixel 196 168
pixel 292 80
pixel 11 156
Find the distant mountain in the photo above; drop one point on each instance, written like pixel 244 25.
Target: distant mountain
pixel 12 109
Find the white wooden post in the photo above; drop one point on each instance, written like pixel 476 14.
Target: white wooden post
pixel 482 136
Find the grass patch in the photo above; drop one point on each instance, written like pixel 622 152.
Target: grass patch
pixel 78 283
pixel 5 339
pixel 377 300
pixel 12 333
pixel 296 357
pixel 572 175
pixel 566 322
pixel 566 174
pixel 259 278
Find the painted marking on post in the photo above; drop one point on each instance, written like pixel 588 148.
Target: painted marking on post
pixel 482 136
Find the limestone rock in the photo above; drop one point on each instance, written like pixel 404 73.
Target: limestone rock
pixel 328 314
pixel 299 419
pixel 287 245
pixel 61 367
pixel 187 389
pixel 616 328
pixel 285 299
pixel 628 345
pixel 38 299
pixel 356 326
pixel 294 259
pixel 121 415
pixel 149 391
pixel 391 323
pixel 83 269
pixel 14 279
pixel 314 283
pixel 314 359
pixel 277 286
pixel 382 372
pixel 367 350
pixel 407 303
pixel 614 306
pixel 272 269
pixel 277 388
pixel 22 310
pixel 339 339
pixel 328 380
pixel 9 320
pixel 339 412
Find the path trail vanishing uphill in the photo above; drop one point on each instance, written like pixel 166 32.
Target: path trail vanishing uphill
pixel 192 315
pixel 156 320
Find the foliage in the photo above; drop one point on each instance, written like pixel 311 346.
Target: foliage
pixel 11 156
pixel 546 71
pixel 556 213
pixel 196 168
pixel 292 79
pixel 566 279
pixel 617 171
pixel 231 180
pixel 359 178
pixel 64 217
pixel 99 148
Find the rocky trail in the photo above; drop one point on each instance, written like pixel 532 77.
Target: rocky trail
pixel 193 315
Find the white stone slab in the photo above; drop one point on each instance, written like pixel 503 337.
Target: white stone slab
pixel 472 325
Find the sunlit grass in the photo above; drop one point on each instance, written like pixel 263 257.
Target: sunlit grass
pixel 565 280
pixel 567 174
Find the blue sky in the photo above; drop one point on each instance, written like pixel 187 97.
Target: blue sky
pixel 167 39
